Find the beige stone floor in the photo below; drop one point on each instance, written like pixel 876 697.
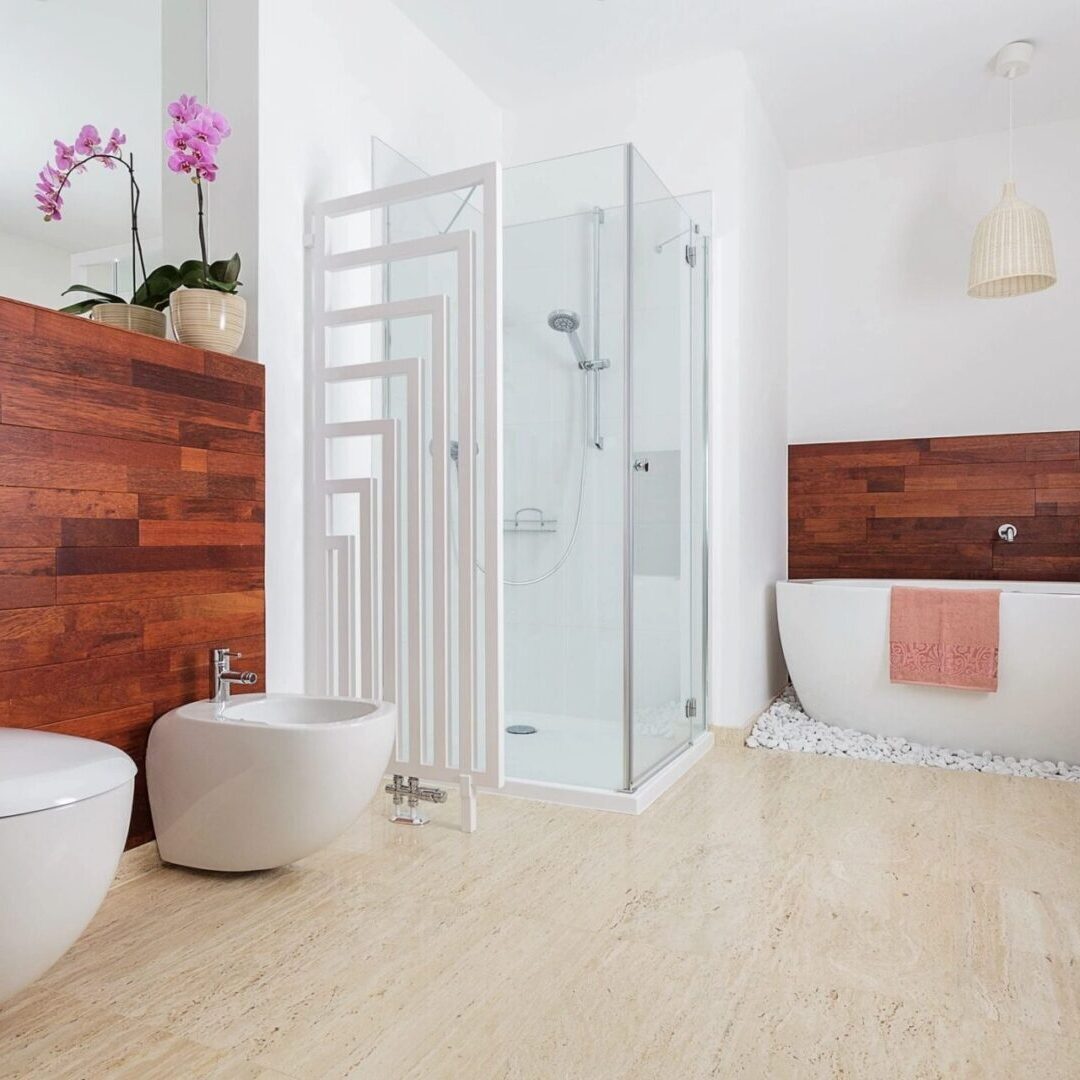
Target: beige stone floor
pixel 777 915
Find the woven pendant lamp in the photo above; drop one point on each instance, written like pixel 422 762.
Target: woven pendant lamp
pixel 1012 253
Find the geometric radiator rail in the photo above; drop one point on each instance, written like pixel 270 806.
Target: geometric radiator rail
pixel 375 628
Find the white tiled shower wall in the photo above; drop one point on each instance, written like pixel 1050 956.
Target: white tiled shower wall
pixel 564 637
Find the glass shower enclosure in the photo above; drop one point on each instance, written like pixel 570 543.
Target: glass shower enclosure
pixel 605 302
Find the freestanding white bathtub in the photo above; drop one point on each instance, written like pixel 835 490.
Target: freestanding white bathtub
pixel 836 640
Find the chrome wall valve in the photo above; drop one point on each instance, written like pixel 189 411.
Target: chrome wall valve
pixel 408 794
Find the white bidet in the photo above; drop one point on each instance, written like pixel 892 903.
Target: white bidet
pixel 265 779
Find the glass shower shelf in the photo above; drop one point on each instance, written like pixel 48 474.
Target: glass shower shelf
pixel 530 519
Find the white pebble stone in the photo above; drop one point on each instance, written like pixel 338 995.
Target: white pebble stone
pixel 785 726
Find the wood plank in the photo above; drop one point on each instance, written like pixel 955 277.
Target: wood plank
pixel 1063 500
pixel 1038 446
pixel 60 503
pixel 970 477
pixel 76 332
pixel 148 480
pixel 168 380
pixel 91 588
pixel 29 407
pixel 149 409
pixel 60 446
pixel 18 530
pixel 139 560
pixel 135 465
pixel 1011 503
pixel 126 728
pixel 23 470
pixel 242 488
pixel 200 533
pixel 212 437
pixel 223 463
pixel 937 516
pixel 27 577
pixel 854 452
pixel 99 532
pixel 33 637
pixel 235 370
pixel 182 508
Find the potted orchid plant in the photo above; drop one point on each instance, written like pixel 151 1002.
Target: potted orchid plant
pixel 206 310
pixel 144 312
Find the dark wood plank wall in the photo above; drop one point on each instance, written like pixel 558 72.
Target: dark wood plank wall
pixel 918 508
pixel 131 526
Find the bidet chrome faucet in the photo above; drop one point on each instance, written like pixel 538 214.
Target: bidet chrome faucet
pixel 222 678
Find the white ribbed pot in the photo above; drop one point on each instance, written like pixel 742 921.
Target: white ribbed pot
pixel 208 319
pixel 144 320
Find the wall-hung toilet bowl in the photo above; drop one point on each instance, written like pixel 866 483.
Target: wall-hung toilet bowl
pixel 65 807
pixel 264 780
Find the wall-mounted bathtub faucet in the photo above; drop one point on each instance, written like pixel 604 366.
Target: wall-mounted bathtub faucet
pixel 1007 533
pixel 221 678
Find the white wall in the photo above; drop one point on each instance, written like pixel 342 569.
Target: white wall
pixel 33 272
pixel 884 342
pixel 232 81
pixel 332 73
pixel 753 529
pixel 701 126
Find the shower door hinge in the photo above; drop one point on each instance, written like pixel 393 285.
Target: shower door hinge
pixel 691 708
pixel 691 255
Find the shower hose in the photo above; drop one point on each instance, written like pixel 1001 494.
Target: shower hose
pixel 582 472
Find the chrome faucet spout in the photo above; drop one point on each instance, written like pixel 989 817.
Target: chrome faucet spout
pixel 222 677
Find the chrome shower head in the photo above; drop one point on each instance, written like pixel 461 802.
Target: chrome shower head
pixel 566 322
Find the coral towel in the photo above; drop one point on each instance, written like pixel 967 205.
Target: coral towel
pixel 944 637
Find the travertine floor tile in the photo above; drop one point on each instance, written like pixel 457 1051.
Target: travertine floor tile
pixel 774 915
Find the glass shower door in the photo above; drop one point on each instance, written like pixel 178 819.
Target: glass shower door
pixel 665 563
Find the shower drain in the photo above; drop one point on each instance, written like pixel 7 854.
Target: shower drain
pixel 521 729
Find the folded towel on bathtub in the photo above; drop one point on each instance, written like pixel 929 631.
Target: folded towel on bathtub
pixel 944 637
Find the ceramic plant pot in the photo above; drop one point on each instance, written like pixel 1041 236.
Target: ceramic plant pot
pixel 208 319
pixel 130 317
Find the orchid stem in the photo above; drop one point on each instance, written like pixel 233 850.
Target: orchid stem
pixel 135 195
pixel 202 234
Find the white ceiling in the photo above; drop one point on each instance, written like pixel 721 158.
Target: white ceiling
pixel 65 63
pixel 840 78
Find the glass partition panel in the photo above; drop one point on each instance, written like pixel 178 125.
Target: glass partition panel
pixel 664 569
pixel 564 296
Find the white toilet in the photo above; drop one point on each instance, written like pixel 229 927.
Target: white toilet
pixel 65 806
pixel 265 779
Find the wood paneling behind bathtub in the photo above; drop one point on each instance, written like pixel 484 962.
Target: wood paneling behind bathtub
pixel 131 526
pixel 931 508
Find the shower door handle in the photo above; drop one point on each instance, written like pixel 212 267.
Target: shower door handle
pixel 641 465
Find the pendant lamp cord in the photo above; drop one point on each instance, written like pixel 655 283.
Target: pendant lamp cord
pixel 1012 79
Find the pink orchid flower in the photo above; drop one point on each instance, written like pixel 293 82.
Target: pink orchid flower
pixel 221 125
pixel 88 141
pixel 193 138
pixel 185 108
pixel 116 140
pixel 65 155
pixel 204 129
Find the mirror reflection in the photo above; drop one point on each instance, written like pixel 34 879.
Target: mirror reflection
pixel 104 74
